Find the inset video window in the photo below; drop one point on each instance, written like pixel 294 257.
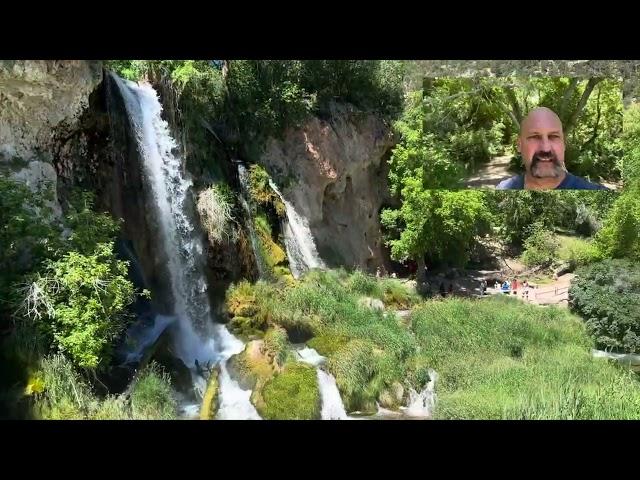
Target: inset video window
pixel 515 133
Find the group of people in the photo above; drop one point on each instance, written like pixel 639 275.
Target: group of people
pixel 513 286
pixel 507 287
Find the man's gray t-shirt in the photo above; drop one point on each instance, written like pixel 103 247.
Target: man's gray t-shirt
pixel 570 182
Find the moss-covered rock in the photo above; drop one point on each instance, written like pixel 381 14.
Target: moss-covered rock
pixel 251 367
pixel 272 253
pixel 247 328
pixel 241 300
pixel 292 394
pixel 327 345
pixel 261 192
pixel 276 346
pixel 209 406
pixel 392 397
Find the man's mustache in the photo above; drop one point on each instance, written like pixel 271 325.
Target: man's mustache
pixel 543 156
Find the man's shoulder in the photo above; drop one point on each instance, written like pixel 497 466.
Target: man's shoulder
pixel 574 182
pixel 515 182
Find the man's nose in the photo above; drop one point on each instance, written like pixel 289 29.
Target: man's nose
pixel 545 144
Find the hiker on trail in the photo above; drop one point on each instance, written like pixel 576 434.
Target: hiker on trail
pixel 514 286
pixel 542 145
pixel 525 290
pixel 483 286
pixel 505 287
pixel 442 292
pixel 378 274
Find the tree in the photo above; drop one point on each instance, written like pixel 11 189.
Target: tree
pixel 80 301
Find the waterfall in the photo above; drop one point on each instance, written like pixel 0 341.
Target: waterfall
pixel 298 240
pixel 422 404
pixel 332 406
pixel 180 245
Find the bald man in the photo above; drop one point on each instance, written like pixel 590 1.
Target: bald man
pixel 541 143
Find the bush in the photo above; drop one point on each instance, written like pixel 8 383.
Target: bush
pixel 395 294
pixel 261 192
pixel 607 296
pixel 80 302
pixel 578 252
pixel 27 235
pixel 152 398
pixel 620 235
pixel 540 248
pixel 362 284
pixel 65 395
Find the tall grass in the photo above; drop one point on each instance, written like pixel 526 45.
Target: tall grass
pixel 152 398
pixel 498 358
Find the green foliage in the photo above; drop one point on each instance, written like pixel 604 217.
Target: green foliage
pixel 362 284
pixel 476 119
pixel 133 70
pixel 261 192
pixel 151 397
pixel 438 224
pixel 72 292
pixel 325 305
pixel 66 395
pixel 80 300
pixel 276 345
pixel 292 394
pixel 540 247
pixel 465 121
pixel 363 371
pixel 577 211
pixel 88 228
pixel 395 294
pixel 328 345
pixel 620 235
pixel 618 397
pixel 28 235
pixel 267 96
pixel 271 252
pixel 631 145
pixel 607 296
pixel 419 155
pixel 497 358
pixel 578 252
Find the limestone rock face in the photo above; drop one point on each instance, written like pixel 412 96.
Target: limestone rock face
pixel 39 101
pixel 334 173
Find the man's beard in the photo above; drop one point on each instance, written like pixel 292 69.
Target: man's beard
pixel 537 172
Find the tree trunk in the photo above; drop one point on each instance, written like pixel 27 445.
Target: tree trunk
pixel 591 84
pixel 515 106
pixel 421 275
pixel 594 135
pixel 568 94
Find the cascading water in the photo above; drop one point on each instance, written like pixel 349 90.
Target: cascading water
pixel 243 177
pixel 332 406
pixel 422 404
pixel 298 240
pixel 197 337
